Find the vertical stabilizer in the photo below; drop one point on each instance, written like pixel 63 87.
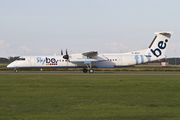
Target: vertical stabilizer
pixel 158 46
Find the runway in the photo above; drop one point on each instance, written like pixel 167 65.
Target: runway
pixel 68 73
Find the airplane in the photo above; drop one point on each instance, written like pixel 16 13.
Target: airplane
pixel 92 59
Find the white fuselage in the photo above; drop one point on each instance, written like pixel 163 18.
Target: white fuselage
pixel 80 61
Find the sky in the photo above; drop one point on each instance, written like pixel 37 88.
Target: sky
pixel 45 27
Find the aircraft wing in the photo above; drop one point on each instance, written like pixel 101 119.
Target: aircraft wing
pixel 90 54
pixel 87 57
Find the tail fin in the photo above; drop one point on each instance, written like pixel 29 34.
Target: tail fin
pixel 158 46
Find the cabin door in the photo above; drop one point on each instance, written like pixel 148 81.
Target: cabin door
pixel 119 60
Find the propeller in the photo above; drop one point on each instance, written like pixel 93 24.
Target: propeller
pixel 66 56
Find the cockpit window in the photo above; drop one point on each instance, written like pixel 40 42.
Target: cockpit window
pixel 21 59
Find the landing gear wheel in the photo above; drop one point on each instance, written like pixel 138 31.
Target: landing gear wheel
pixel 91 70
pixel 16 71
pixel 85 70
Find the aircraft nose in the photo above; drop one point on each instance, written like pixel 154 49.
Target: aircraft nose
pixel 10 65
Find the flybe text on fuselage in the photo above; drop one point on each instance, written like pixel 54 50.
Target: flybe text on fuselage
pixel 161 45
pixel 47 61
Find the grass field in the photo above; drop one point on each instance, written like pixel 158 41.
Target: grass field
pixel 142 68
pixel 89 97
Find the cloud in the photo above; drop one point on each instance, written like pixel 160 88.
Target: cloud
pixel 116 47
pixel 7 49
pixel 174 46
pixel 173 49
pixel 3 44
pixel 4 47
pixel 22 47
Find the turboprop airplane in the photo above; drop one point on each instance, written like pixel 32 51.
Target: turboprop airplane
pixel 92 59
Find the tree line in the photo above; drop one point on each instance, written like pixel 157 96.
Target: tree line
pixel 5 60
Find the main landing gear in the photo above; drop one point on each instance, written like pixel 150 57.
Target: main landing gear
pixel 90 69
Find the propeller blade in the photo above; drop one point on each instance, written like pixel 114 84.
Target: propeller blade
pixel 66 52
pixel 61 52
